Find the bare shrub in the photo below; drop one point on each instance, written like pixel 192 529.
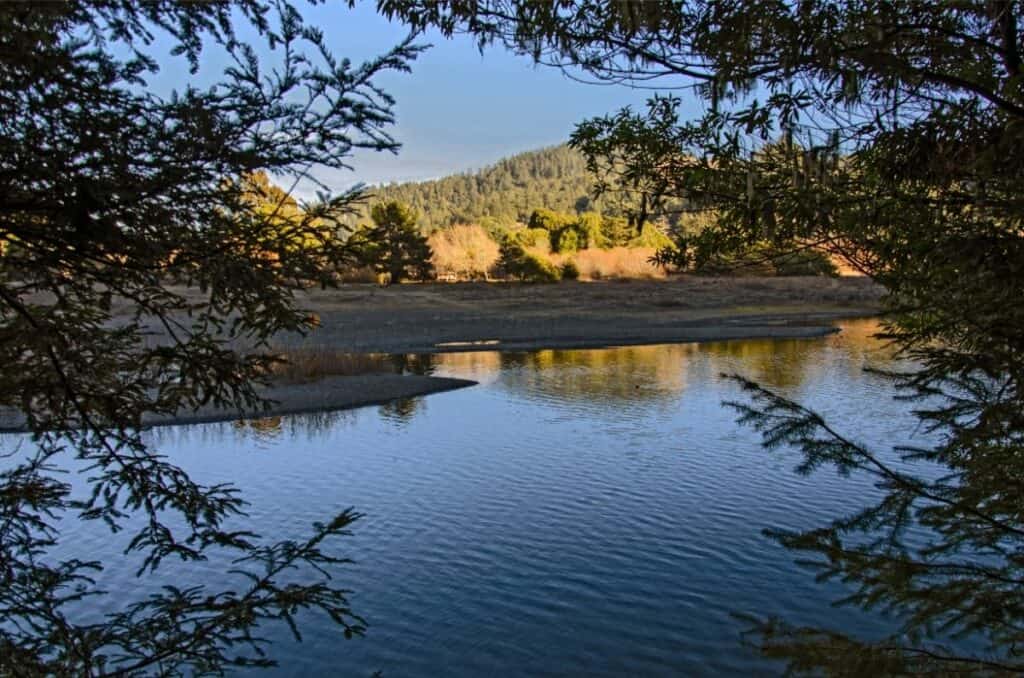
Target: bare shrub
pixel 466 251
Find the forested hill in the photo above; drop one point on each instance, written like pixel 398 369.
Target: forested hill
pixel 555 178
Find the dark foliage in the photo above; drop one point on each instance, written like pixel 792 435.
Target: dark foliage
pixel 393 245
pixel 109 193
pixel 892 135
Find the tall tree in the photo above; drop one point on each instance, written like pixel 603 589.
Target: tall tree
pixel 891 133
pixel 394 245
pixel 108 194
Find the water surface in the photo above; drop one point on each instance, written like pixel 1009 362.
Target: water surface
pixel 580 512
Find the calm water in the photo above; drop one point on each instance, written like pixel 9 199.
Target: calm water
pixel 578 513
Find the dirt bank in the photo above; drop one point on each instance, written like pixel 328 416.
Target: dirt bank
pixel 329 393
pixel 507 316
pixel 432 318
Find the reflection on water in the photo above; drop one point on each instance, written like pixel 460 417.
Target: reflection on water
pixel 587 512
pixel 402 410
pixel 412 363
pixel 632 374
pixel 263 431
pixel 627 375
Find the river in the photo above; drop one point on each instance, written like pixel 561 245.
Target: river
pixel 579 512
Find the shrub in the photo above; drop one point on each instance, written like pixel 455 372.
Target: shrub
pixel 651 236
pixel 565 241
pixel 590 231
pixel 616 231
pixel 549 220
pixel 531 238
pixel 467 252
pixel 617 262
pixel 538 269
pixel 528 266
pixel 357 274
pixel 805 262
pixel 570 271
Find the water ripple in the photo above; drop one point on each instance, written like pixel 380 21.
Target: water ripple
pixel 580 513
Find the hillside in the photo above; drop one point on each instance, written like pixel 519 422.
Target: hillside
pixel 555 178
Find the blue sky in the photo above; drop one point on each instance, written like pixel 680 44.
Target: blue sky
pixel 457 110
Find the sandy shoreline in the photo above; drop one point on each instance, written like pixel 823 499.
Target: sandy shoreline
pixel 323 395
pixel 327 394
pixel 416 319
pixel 781 326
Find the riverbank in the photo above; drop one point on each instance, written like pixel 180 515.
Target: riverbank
pixel 432 318
pixel 326 394
pixel 441 318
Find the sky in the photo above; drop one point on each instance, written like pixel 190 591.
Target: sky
pixel 458 109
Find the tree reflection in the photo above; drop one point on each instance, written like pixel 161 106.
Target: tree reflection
pixel 264 428
pixel 403 410
pixel 661 372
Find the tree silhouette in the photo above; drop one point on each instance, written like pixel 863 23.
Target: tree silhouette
pixel 110 194
pixel 891 134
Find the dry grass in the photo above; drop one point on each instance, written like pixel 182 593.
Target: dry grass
pixel 618 263
pixel 309 363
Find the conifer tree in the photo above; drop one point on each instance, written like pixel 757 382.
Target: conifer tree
pixel 115 197
pixel 394 245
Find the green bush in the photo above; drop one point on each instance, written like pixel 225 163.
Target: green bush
pixel 591 235
pixel 651 236
pixel 538 270
pixel 616 231
pixel 516 262
pixel 570 271
pixel 550 220
pixel 530 237
pixel 565 241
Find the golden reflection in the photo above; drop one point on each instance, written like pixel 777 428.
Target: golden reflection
pixel 629 373
pixel 775 363
pixel 480 366
pixel 615 376
pixel 654 372
pixel 858 339
pixel 265 427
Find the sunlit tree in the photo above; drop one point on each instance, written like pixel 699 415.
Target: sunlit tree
pixel 466 251
pixel 393 245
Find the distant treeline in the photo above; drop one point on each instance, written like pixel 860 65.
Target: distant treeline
pixel 550 246
pixel 498 196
